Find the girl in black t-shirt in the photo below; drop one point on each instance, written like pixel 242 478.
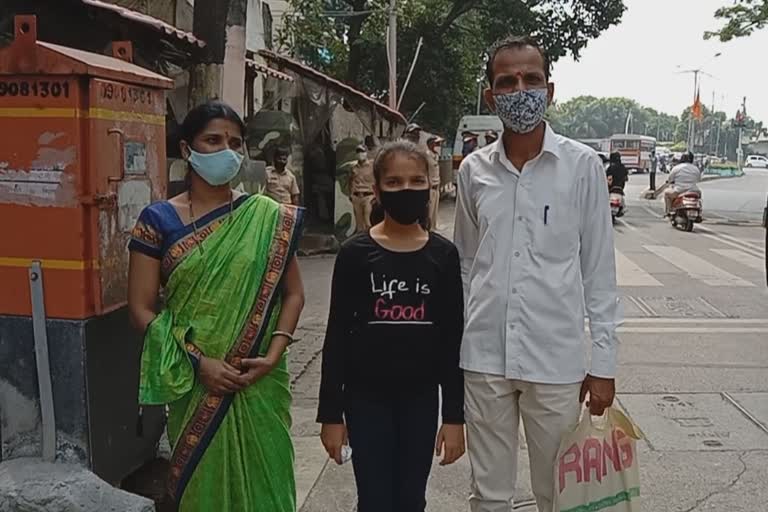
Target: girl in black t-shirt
pixel 393 339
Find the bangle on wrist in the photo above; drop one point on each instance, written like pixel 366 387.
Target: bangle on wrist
pixel 291 339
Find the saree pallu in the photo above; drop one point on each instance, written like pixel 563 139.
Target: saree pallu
pixel 232 452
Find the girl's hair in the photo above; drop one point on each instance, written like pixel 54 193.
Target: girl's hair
pixel 199 117
pixel 401 147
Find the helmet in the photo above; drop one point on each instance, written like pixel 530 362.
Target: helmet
pixel 686 158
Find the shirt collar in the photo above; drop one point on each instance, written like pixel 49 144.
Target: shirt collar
pixel 550 145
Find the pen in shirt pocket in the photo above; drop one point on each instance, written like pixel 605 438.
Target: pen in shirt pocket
pixel 546 213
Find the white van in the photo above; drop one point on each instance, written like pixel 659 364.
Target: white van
pixel 477 125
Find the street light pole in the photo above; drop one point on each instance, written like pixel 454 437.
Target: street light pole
pixel 393 54
pixel 691 122
pixel 479 94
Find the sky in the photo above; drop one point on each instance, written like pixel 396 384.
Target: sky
pixel 639 59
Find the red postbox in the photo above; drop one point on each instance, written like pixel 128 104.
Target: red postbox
pixel 82 152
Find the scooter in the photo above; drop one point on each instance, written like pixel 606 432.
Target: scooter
pixel 686 210
pixel 616 198
pixel 618 205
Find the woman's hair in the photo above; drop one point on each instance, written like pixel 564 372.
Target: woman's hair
pixel 401 147
pixel 199 117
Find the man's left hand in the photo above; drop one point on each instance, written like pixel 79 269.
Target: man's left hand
pixel 601 393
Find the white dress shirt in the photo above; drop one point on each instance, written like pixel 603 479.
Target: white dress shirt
pixel 685 177
pixel 536 251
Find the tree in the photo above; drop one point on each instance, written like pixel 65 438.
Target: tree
pixel 742 18
pixel 347 39
pixel 587 117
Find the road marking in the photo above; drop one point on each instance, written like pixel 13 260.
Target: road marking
pixel 730 240
pixel 693 330
pixel 626 224
pixel 702 321
pixel 737 245
pixel 696 267
pixel 741 257
pixel 628 273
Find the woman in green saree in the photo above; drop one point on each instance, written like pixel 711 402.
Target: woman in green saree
pixel 215 353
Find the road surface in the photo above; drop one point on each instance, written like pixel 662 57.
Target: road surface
pixel 731 199
pixel 693 372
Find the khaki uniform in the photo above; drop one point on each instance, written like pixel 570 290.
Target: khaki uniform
pixel 281 186
pixel 361 183
pixel 434 190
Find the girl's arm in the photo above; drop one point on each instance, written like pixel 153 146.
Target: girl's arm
pixel 340 313
pixel 451 322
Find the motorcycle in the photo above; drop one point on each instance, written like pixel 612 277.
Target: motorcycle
pixel 618 205
pixel 686 210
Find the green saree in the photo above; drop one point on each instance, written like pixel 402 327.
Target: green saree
pixel 234 452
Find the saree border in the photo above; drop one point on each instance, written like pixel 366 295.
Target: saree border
pixel 204 423
pixel 184 246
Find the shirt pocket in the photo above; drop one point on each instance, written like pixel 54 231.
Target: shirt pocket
pixel 556 227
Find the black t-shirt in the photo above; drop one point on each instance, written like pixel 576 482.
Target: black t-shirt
pixel 394 326
pixel 619 173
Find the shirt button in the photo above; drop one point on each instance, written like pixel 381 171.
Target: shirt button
pixel 517 254
pixel 514 290
pixel 520 218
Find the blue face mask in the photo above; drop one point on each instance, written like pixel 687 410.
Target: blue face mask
pixel 217 168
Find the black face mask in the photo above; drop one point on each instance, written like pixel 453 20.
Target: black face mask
pixel 406 206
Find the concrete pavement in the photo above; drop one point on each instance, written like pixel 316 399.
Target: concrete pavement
pixel 693 371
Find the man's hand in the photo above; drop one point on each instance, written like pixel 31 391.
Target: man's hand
pixel 333 437
pixel 219 377
pixel 601 394
pixel 256 368
pixel 450 443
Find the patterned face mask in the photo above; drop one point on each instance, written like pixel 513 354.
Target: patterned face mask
pixel 521 111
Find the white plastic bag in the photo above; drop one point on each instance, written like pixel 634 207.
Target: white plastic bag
pixel 597 469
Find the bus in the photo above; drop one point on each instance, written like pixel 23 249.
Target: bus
pixel 635 150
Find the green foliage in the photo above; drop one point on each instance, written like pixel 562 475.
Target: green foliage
pixel 456 35
pixel 741 19
pixel 587 117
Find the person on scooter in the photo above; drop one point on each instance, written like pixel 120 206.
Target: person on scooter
pixel 617 172
pixel 684 178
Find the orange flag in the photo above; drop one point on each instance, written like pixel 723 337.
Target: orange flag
pixel 696 110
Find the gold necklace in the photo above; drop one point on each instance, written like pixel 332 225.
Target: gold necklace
pixel 198 241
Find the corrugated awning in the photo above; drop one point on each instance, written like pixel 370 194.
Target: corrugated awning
pixel 303 69
pixel 261 68
pixel 145 19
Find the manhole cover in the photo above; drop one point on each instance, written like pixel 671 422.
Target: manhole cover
pixel 693 422
pixel 681 307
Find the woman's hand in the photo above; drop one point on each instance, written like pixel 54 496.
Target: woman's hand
pixel 219 377
pixel 450 443
pixel 333 437
pixel 256 368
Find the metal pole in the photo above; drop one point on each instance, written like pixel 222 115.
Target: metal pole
pixel 393 54
pixel 479 94
pixel 410 72
pixel 717 142
pixel 42 361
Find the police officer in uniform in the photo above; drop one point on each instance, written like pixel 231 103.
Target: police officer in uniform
pixel 434 146
pixel 361 183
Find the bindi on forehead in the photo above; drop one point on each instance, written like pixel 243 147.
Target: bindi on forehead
pixel 524 59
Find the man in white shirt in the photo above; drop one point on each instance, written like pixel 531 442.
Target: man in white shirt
pixel 533 229
pixel 684 177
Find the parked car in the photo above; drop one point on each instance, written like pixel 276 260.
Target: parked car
pixel 756 161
